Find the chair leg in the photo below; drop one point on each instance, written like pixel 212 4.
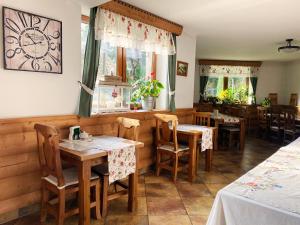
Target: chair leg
pixel 97 199
pixel 197 159
pixel 44 201
pixel 61 207
pixel 175 168
pixel 230 140
pixel 158 157
pixel 104 196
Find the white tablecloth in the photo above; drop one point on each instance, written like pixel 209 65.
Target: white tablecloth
pixel 121 153
pixel 207 134
pixel 269 194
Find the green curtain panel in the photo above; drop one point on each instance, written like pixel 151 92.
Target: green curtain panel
pixel 203 83
pixel 253 81
pixel 90 67
pixel 172 78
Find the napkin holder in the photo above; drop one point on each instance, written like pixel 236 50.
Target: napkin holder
pixel 74 133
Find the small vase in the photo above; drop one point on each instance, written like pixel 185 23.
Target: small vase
pixel 148 103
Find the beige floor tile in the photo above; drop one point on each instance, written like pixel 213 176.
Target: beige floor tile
pixel 126 220
pixel 198 220
pixel 119 207
pixel 165 206
pixel 198 206
pixel 161 190
pixel 169 220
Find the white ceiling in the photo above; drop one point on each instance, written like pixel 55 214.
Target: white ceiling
pixel 233 29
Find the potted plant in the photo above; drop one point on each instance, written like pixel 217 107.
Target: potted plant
pixel 266 102
pixel 146 91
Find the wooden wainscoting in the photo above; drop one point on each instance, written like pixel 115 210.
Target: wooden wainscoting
pixel 19 165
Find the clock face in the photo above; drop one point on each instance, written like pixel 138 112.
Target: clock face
pixel 31 42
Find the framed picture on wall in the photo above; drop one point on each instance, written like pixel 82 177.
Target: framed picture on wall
pixel 182 68
pixel 31 42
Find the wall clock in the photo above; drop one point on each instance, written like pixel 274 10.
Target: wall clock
pixel 31 42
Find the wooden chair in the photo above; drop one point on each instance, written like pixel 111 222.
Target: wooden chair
pixel 276 123
pixel 294 99
pixel 202 119
pixel 57 181
pixel 230 134
pixel 262 120
pixel 273 98
pixel 128 129
pixel 289 128
pixel 167 146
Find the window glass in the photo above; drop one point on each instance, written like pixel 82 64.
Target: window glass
pixel 138 65
pixel 214 86
pixel 241 89
pixel 107 61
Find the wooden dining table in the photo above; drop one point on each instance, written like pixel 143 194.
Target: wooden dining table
pixel 86 156
pixel 193 136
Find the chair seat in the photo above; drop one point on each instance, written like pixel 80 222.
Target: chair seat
pixel 289 131
pixel 171 148
pixel 101 170
pixel 231 129
pixel 274 128
pixel 70 176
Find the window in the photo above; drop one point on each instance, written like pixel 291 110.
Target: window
pixel 214 86
pixel 138 65
pixel 129 64
pixel 108 60
pixel 239 87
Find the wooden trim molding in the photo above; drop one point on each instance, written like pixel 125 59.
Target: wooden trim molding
pixel 141 15
pixel 229 62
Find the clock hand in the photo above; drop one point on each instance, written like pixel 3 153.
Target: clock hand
pixel 28 36
pixel 35 43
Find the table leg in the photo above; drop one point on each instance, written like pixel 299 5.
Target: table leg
pixel 84 193
pixel 132 201
pixel 242 135
pixel 216 135
pixel 208 159
pixel 193 158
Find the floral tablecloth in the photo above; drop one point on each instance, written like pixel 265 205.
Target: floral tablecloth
pixel 225 118
pixel 269 194
pixel 121 153
pixel 207 134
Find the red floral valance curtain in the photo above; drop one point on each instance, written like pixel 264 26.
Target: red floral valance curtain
pixel 121 31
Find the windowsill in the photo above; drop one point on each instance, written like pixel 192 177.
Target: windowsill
pixel 130 112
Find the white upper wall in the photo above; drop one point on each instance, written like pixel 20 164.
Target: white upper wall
pixel 292 80
pixel 271 80
pixel 186 52
pixel 33 94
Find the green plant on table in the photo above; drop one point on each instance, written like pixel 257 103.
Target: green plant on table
pixel 145 89
pixel 266 102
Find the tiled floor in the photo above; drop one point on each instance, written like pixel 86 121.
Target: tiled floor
pixel 161 202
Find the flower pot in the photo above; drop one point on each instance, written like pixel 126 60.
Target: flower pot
pixel 148 103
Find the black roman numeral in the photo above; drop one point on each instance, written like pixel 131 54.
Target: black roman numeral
pixel 23 19
pixel 46 25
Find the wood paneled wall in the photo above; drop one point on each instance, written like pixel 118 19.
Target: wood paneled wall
pixel 19 165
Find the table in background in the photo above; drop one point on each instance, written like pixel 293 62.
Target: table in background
pixel 226 119
pixel 84 156
pixel 268 194
pixel 194 134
